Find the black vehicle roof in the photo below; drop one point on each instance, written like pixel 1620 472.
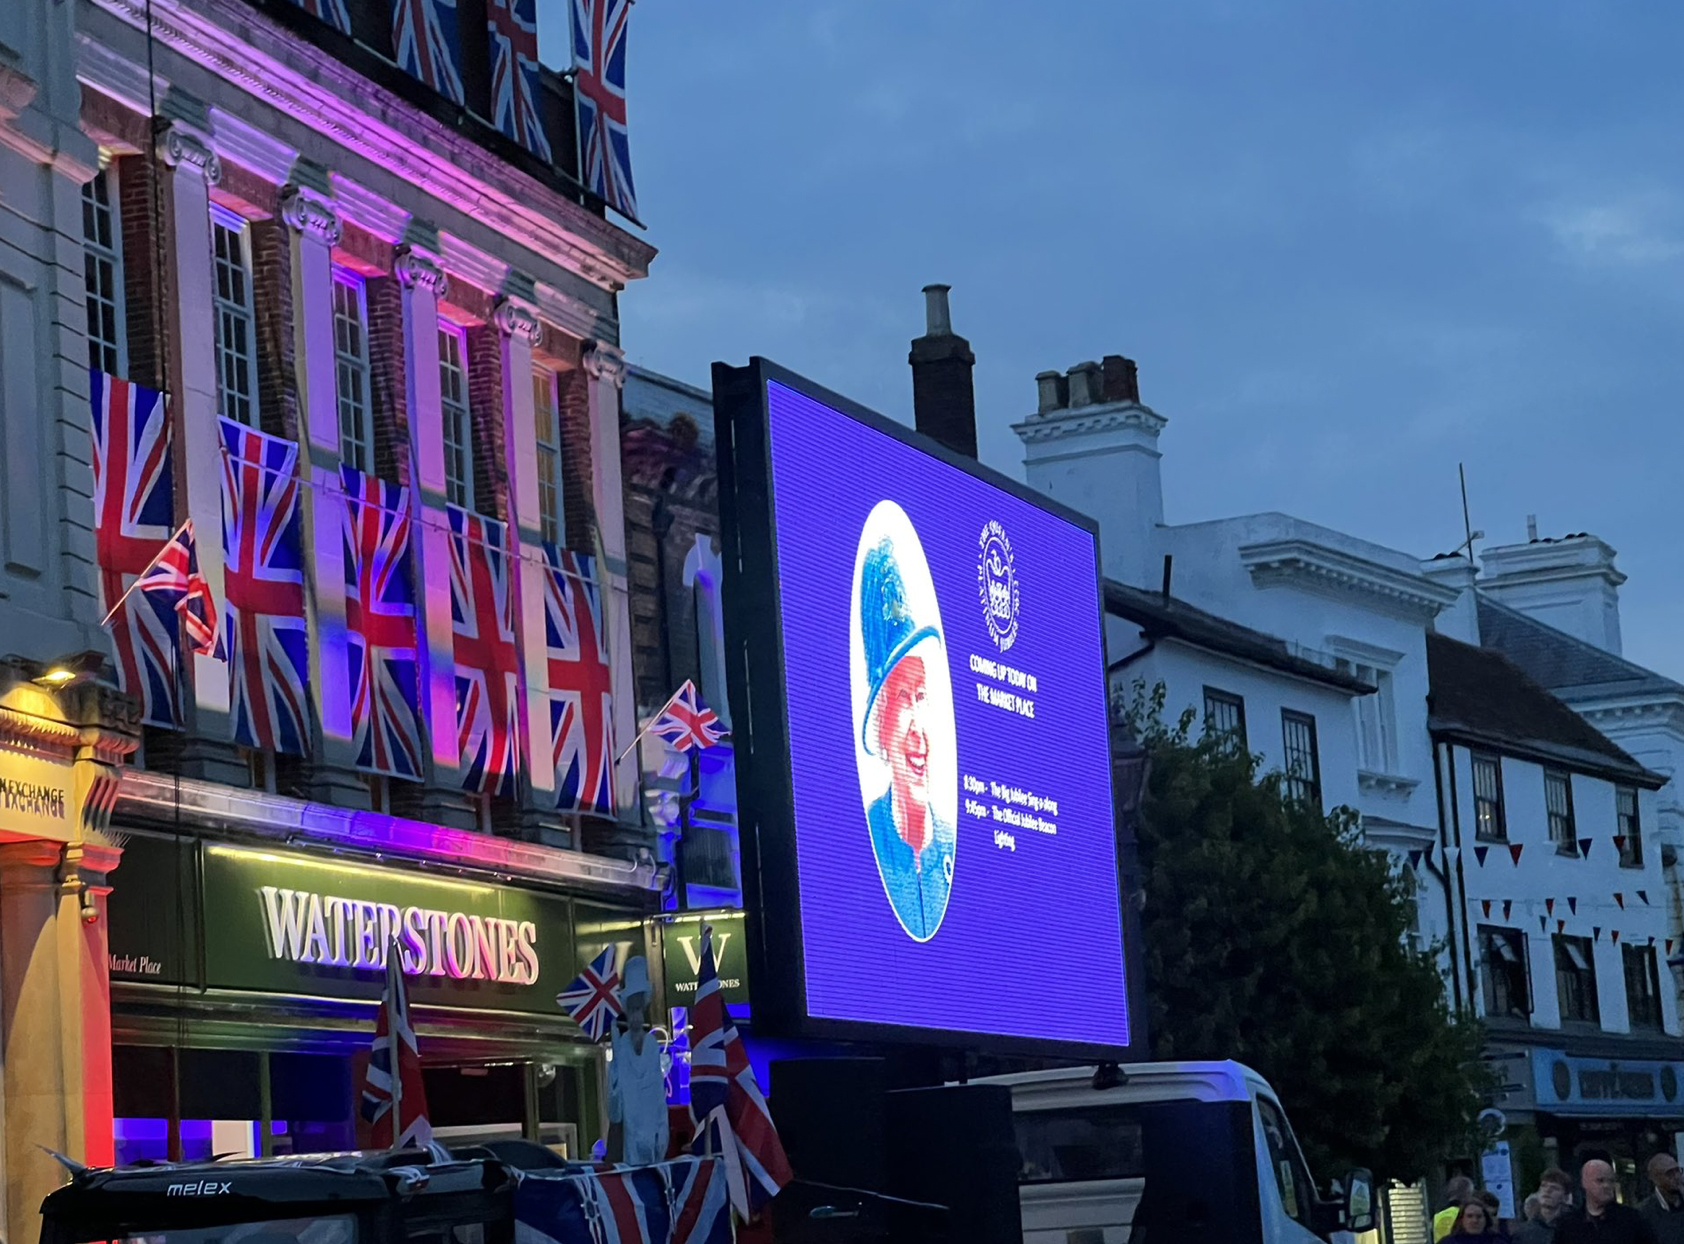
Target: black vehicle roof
pixel 186 1194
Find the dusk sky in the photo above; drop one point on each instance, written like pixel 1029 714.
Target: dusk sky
pixel 1350 244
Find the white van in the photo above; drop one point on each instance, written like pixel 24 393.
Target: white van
pixel 1162 1153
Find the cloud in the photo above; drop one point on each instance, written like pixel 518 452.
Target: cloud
pixel 1639 231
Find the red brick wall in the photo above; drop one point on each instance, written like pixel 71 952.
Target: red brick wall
pixel 277 364
pixel 485 401
pixel 389 389
pixel 578 506
pixel 146 273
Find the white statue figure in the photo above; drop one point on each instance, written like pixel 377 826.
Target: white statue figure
pixel 637 1093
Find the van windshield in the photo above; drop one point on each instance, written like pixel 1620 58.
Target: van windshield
pixel 341 1229
pixel 1155 1171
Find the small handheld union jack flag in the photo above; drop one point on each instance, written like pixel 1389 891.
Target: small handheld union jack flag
pixel 174 581
pixel 686 722
pixel 592 999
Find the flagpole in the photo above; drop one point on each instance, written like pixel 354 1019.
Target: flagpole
pixel 395 1055
pixel 162 549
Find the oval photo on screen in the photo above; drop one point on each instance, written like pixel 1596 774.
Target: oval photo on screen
pixel 903 716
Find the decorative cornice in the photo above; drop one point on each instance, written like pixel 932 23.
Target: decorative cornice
pixel 40 732
pixel 310 212
pixel 605 362
pixel 178 145
pixel 1385 783
pixel 17 91
pixel 1058 425
pixel 418 269
pixel 518 319
pixel 1330 572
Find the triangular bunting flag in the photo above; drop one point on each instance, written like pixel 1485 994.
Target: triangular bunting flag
pixel 1584 846
pixel 1561 926
pixel 1572 904
pixel 1480 853
pixel 1508 906
pixel 1486 904
pixel 1620 899
pixel 1614 936
pixel 1620 843
pixel 1415 859
pixel 1651 939
pixel 1515 848
pixel 1669 945
pixel 1596 932
pixel 1549 906
pixel 1543 924
pixel 1644 895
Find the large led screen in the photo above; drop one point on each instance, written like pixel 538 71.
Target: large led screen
pixel 947 735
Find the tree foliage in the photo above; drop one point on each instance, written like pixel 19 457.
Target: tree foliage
pixel 1273 936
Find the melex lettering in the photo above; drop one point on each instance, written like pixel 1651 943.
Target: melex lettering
pixel 200 1187
pixel 36 798
pixel 306 927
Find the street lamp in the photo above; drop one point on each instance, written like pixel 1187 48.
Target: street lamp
pixel 68 671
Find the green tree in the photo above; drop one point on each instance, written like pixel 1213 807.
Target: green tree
pixel 1273 936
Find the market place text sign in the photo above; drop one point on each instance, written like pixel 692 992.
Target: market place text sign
pixel 309 927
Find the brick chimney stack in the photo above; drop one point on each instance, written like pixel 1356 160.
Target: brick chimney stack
pixel 943 401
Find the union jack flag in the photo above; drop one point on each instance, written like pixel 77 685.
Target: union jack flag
pixel 487 665
pixel 428 43
pixel 173 579
pixel 269 661
pixel 394 1043
pixel 686 722
pixel 599 101
pixel 134 514
pixel 679 1202
pixel 725 1100
pixel 591 999
pixel 513 28
pixel 581 691
pixel 380 639
pixel 333 12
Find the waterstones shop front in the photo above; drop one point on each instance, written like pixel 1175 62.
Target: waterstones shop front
pixel 245 981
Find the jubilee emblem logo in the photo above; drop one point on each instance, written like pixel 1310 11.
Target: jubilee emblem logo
pixel 997 584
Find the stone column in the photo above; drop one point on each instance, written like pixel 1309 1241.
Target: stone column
pixel 519 331
pixel 55 1013
pixel 313 227
pixel 420 271
pixel 184 147
pixel 605 366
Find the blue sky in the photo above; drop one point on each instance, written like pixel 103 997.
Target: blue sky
pixel 1350 244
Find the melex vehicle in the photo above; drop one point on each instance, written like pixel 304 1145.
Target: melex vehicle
pixel 1155 1152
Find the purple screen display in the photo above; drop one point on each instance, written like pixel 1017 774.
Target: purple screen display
pixel 948 742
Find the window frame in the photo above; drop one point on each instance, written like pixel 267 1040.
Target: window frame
pixel 546 408
pixel 356 444
pixel 96 253
pixel 1298 786
pixel 231 223
pixel 1563 945
pixel 1643 958
pixel 1477 760
pixel 1288 1162
pixel 1215 697
pixel 1492 938
pixel 1560 779
pixel 456 417
pixel 1629 827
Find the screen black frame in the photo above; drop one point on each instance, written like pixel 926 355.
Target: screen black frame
pixel 755 675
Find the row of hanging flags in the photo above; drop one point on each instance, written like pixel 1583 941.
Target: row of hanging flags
pixel 427 42
pixel 1514 850
pixel 150 582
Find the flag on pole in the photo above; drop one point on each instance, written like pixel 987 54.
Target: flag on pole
pixel 581 684
pixel 380 627
pixel 599 101
pixel 174 581
pixel 592 1000
pixel 487 659
pixel 427 45
pixel 726 1104
pixel 333 12
pixel 393 1087
pixel 512 26
pixel 686 722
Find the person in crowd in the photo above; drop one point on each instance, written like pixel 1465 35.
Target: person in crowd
pixel 1665 1208
pixel 1458 1190
pixel 1529 1208
pixel 1604 1220
pixel 1493 1211
pixel 1475 1224
pixel 1553 1187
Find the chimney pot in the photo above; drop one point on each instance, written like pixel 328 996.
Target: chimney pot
pixel 1051 392
pixel 938 321
pixel 1532 529
pixel 1084 385
pixel 1120 379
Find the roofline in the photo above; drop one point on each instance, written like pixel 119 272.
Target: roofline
pixel 1565 758
pixel 670 382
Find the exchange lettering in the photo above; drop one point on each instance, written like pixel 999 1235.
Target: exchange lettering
pixel 35 798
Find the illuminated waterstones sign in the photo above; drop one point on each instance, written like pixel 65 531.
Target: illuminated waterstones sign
pixel 307 927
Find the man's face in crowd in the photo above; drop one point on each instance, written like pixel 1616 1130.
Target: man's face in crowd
pixel 901 738
pixel 1550 1197
pixel 1667 1176
pixel 1599 1185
